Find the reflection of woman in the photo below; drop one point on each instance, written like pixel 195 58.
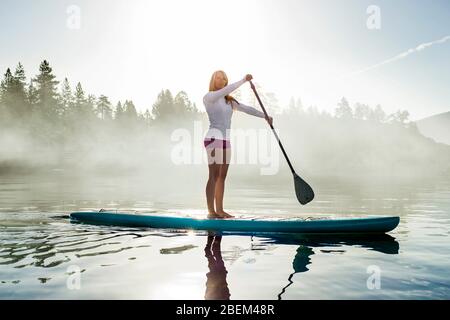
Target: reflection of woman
pixel 220 106
pixel 216 278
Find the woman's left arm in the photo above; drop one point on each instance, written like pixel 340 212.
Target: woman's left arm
pixel 249 110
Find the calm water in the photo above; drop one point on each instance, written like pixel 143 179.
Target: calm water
pixel 42 252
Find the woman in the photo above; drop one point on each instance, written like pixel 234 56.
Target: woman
pixel 220 106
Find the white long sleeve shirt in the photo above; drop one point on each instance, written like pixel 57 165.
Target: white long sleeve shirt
pixel 219 112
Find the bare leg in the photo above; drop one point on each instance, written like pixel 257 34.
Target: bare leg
pixel 220 184
pixel 214 169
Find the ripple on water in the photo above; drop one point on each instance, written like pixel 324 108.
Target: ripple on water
pixel 37 246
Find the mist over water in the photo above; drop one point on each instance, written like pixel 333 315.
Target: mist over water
pixel 317 146
pixel 47 125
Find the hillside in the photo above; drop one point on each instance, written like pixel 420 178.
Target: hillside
pixel 436 127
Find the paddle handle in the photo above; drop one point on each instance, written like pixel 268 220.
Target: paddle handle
pixel 271 126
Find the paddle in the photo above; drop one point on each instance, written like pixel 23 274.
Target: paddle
pixel 303 191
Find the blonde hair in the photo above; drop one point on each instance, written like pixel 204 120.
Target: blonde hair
pixel 212 87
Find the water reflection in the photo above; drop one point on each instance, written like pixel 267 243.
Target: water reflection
pixel 301 260
pixel 216 278
pixel 383 243
pixel 48 248
pixel 217 286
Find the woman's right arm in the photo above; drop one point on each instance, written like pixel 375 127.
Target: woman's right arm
pixel 212 96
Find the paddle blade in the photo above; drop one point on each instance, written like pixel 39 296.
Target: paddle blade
pixel 303 191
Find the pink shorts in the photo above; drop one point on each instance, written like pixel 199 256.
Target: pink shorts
pixel 211 143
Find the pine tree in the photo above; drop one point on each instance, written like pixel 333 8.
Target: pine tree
pixel 313 111
pixel 46 91
pixel 362 111
pixel 163 109
pixel 147 117
pixel 119 112
pixel 183 106
pixel 66 99
pixel 272 105
pixel 21 107
pixel 343 111
pixel 13 97
pixel 89 107
pixel 294 108
pixel 378 114
pixel 79 101
pixel 6 95
pixel 130 111
pixel 104 110
pixel 32 96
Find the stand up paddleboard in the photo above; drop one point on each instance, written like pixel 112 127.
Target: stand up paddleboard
pixel 348 225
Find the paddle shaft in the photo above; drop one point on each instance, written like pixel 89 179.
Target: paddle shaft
pixel 273 130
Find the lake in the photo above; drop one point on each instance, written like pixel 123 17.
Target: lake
pixel 45 256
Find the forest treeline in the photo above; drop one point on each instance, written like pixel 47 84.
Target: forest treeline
pixel 47 102
pixel 47 121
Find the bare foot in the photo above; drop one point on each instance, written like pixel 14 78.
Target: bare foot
pixel 224 214
pixel 219 215
pixel 212 214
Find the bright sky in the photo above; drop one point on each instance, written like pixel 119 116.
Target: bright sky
pixel 316 50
